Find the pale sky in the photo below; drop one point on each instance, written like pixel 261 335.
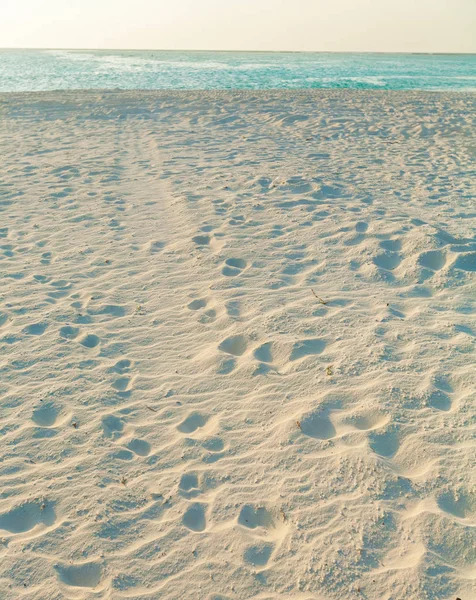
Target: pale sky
pixel 320 25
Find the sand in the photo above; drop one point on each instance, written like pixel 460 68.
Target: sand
pixel 237 345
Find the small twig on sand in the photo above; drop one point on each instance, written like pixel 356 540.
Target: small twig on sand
pixel 150 408
pixel 321 301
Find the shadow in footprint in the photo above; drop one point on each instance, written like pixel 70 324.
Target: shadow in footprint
pixel 122 384
pixel 139 447
pixel 90 341
pixel 391 245
pixel 385 444
pixel 457 504
pixel 264 353
pixel 318 425
pixel 36 329
pixel 69 332
pixel 466 262
pixel 433 259
pixel 208 316
pixel 388 261
pixel 45 415
pixel 197 304
pixel 440 400
pixel 188 486
pixel 226 366
pixel 87 575
pixel 201 240
pixel 194 518
pixel 193 422
pixel 156 247
pixel 258 555
pixel 252 517
pixel 233 267
pixel 235 345
pixel 25 517
pixel 307 348
pixel 121 367
pixel 361 227
pixel 113 427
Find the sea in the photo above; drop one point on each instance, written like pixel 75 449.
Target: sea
pixel 37 70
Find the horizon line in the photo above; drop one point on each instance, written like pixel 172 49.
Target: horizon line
pixel 429 53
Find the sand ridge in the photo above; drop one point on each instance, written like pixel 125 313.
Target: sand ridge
pixel 237 345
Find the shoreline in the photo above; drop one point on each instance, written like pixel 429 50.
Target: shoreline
pixel 242 91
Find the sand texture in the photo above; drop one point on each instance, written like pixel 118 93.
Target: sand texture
pixel 237 346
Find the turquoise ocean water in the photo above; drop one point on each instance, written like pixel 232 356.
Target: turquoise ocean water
pixel 32 70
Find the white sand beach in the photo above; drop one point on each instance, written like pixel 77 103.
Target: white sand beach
pixel 237 345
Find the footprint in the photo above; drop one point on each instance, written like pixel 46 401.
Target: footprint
pixel 235 345
pixel 261 369
pixel 388 261
pixel 208 316
pixel 45 415
pixel 442 383
pixel 62 284
pixel 69 332
pixel 139 447
pixel 226 366
pixel 355 240
pixel 433 259
pixel 201 240
pixel 25 517
pixel 213 445
pixel 156 247
pixel 361 227
pixel 197 304
pixel 42 278
pixel 385 444
pixel 466 262
pixel 252 517
pixel 113 427
pixel 114 310
pixel 233 308
pixel 36 329
pixel 87 575
pixel 277 231
pixel 194 518
pixel 46 258
pixel 90 341
pixel 259 554
pixel 122 366
pixel 122 384
pixel 440 400
pixel 188 486
pixel 317 424
pixel 193 422
pixel 307 348
pixel 233 267
pixel 458 504
pixel 123 455
pixel 264 353
pixel 366 421
pixel 391 245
